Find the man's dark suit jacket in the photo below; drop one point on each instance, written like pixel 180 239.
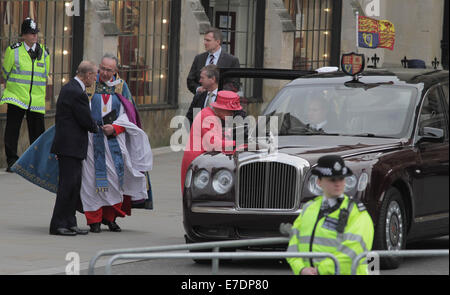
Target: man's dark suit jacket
pixel 197 102
pixel 73 120
pixel 225 61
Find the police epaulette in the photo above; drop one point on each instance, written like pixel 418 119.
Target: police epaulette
pixel 361 207
pixel 15 45
pixel 359 204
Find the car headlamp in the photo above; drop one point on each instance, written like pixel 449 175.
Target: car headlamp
pixel 188 179
pixel 350 183
pixel 201 179
pixel 222 181
pixel 313 187
pixel 363 182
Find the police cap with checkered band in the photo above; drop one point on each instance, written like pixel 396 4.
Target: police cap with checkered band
pixel 331 166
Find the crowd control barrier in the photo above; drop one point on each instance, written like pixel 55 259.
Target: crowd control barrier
pixel 399 253
pixel 217 255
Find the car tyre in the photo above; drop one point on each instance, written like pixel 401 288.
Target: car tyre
pixel 391 229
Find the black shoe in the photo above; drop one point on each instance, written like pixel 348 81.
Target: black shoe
pixel 112 225
pixel 79 231
pixel 8 169
pixel 62 232
pixel 95 227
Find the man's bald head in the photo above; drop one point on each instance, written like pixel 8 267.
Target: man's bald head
pixel 87 72
pixel 86 66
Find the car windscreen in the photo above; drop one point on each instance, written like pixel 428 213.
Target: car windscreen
pixel 382 111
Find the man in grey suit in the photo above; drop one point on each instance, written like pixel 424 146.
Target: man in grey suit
pixel 213 55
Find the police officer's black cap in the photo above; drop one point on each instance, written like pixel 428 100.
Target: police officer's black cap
pixel 331 166
pixel 29 26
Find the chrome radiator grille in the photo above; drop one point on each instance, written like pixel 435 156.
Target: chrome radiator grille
pixel 267 185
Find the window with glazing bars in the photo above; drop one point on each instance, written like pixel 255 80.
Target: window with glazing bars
pixel 237 20
pixel 313 21
pixel 143 47
pixel 55 33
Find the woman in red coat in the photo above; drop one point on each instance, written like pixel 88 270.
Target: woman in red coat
pixel 206 132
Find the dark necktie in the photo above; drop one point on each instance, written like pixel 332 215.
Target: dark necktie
pixel 211 61
pixel 31 53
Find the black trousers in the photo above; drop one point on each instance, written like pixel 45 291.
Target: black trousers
pixel 14 118
pixel 68 194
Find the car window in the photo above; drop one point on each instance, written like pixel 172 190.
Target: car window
pixel 433 112
pixel 258 90
pixel 384 111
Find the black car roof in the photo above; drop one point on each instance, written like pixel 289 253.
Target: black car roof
pixel 413 76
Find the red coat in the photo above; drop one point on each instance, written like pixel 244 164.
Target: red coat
pixel 206 135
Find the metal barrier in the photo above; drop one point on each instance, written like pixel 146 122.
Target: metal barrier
pixel 216 256
pixel 399 253
pixel 215 246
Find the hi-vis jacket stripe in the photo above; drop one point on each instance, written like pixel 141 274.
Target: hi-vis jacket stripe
pixel 24 106
pixel 35 73
pixel 26 79
pixel 308 232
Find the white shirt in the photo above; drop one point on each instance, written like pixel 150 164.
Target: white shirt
pixel 331 201
pixel 216 56
pixel 28 47
pixel 320 125
pixel 81 83
pixel 213 98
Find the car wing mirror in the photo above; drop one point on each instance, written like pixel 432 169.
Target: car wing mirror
pixel 430 134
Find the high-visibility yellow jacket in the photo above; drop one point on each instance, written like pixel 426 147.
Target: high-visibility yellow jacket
pixel 25 78
pixel 310 234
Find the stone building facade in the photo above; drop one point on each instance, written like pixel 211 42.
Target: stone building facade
pixel 157 40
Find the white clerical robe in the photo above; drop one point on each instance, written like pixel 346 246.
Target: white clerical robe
pixel 137 156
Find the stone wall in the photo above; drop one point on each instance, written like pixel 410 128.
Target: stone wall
pixel 194 23
pixel 415 39
pixel 418 26
pixel 418 29
pixel 278 50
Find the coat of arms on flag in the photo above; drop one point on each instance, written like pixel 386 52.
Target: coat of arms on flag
pixel 374 33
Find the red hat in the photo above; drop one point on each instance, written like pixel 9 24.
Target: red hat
pixel 227 100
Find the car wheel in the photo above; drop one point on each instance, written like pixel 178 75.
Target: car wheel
pixel 391 228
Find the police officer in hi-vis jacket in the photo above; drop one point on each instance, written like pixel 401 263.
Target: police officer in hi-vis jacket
pixel 332 223
pixel 25 68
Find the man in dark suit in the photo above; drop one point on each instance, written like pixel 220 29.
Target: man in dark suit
pixel 213 55
pixel 72 122
pixel 209 79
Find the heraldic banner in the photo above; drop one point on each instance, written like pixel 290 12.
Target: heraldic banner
pixel 374 33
